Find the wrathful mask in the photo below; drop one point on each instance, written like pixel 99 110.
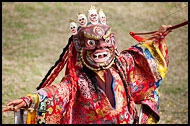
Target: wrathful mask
pixel 96 45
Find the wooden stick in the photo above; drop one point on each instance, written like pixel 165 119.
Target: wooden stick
pixel 14 107
pixel 171 28
pixel 29 109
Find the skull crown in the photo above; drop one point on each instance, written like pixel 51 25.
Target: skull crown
pixel 93 17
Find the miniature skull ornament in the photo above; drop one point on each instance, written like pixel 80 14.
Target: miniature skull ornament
pixel 93 15
pixel 82 20
pixel 73 27
pixel 102 17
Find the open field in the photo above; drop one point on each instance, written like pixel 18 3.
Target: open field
pixel 34 34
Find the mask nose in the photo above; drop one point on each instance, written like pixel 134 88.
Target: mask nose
pixel 101 44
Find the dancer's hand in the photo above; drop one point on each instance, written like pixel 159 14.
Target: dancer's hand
pixel 163 30
pixel 15 105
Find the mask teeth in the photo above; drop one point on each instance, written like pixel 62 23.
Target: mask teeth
pixel 95 69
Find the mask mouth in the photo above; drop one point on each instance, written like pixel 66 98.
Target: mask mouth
pixel 73 30
pixel 98 59
pixel 94 19
pixel 82 22
pixel 103 20
pixel 100 56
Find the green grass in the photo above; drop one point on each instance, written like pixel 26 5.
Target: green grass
pixel 45 7
pixel 34 34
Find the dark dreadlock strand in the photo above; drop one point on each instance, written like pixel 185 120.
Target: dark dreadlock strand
pixel 125 85
pixel 124 82
pixel 124 72
pixel 56 63
pixel 92 78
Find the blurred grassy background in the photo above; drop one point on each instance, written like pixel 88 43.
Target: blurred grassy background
pixel 35 33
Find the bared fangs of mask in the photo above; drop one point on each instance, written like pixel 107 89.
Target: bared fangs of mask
pixel 96 46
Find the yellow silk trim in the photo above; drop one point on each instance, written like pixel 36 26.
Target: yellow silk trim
pixel 31 118
pixel 151 120
pixel 160 60
pixel 101 76
pixel 32 115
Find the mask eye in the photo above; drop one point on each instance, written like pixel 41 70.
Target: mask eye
pixel 108 40
pixel 91 42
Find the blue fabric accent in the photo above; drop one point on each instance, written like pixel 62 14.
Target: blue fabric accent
pixel 42 105
pixel 158 82
pixel 132 65
pixel 147 54
pixel 139 48
pixel 156 98
pixel 114 92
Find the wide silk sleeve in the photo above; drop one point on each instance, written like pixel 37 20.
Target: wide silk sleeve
pixel 146 66
pixel 47 102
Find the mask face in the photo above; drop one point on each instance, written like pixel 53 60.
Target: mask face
pixel 73 28
pixel 93 16
pixel 102 17
pixel 82 20
pixel 96 45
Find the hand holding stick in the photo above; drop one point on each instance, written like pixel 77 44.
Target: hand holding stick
pixel 15 105
pixel 11 108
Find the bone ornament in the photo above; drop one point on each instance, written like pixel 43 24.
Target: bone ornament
pixel 73 26
pixel 82 19
pixel 102 17
pixel 93 15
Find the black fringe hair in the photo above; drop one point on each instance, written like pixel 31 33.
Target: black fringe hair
pixel 56 63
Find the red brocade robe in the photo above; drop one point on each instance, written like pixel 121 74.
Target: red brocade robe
pixel 145 66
